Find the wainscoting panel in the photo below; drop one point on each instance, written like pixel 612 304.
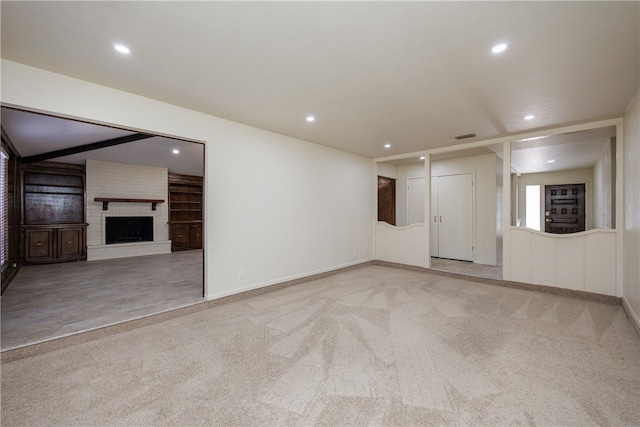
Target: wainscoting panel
pixel 571 263
pixel 600 263
pixel 583 261
pixel 404 245
pixel 543 260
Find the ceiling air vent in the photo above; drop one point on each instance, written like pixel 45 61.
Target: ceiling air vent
pixel 465 136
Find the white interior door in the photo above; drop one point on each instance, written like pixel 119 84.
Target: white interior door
pixel 455 217
pixel 433 220
pixel 415 200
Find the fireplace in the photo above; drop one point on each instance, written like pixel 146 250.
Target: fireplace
pixel 128 229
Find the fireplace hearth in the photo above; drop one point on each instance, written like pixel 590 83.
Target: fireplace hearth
pixel 128 229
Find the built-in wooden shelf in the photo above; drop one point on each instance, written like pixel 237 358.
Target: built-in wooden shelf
pixel 106 200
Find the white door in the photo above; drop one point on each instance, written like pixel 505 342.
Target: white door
pixel 433 220
pixel 415 200
pixel 455 216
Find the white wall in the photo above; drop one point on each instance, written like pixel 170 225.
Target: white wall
pixel 387 170
pixel 575 176
pixel 276 207
pixel 484 166
pixel 631 236
pixel 602 190
pixel 404 173
pixel 499 201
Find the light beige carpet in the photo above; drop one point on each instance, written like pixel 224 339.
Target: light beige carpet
pixel 370 346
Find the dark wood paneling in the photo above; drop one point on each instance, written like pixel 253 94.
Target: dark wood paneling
pixel 53 206
pixel 195 236
pixel 39 245
pixel 387 200
pixel 86 147
pixel 179 237
pixel 71 243
pixel 185 211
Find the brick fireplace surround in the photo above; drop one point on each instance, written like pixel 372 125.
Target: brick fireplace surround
pixel 118 180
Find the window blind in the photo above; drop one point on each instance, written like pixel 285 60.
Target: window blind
pixel 4 229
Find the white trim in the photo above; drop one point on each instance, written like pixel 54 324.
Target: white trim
pixel 632 316
pixel 620 198
pixel 427 211
pixel 282 280
pixel 501 140
pixel 395 227
pixel 566 236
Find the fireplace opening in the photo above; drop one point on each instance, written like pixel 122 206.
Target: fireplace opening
pixel 127 229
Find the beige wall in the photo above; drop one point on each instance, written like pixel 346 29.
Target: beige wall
pixel 631 236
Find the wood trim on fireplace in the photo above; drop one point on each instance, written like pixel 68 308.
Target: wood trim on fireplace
pixel 105 201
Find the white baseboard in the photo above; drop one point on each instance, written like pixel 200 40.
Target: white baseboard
pixel 251 287
pixel 632 315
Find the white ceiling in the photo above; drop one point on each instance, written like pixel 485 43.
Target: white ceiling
pixel 33 134
pixel 414 74
pixel 575 150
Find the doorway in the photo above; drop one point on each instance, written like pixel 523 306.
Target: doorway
pixel 564 208
pixel 452 216
pixel 105 291
pixel 387 200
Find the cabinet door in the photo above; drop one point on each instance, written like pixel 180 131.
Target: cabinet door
pixel 71 243
pixel 195 236
pixel 179 236
pixel 38 245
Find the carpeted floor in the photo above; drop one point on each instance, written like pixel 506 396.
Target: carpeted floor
pixel 369 346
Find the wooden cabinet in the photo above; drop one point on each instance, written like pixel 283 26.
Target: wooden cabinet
pixel 55 243
pixel 185 212
pixel 53 217
pixel 38 245
pixel 70 243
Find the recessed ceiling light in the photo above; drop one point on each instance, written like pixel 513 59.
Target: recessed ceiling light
pixel 176 151
pixel 499 48
pixel 529 117
pixel 387 145
pixel 121 48
pixel 551 161
pixel 311 119
pixel 422 157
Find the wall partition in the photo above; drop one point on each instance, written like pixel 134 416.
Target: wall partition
pixel 573 175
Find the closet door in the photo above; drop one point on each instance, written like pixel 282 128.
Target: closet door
pixel 455 217
pixel 433 220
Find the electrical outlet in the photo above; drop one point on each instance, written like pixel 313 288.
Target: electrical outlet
pixel 354 252
pixel 240 275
